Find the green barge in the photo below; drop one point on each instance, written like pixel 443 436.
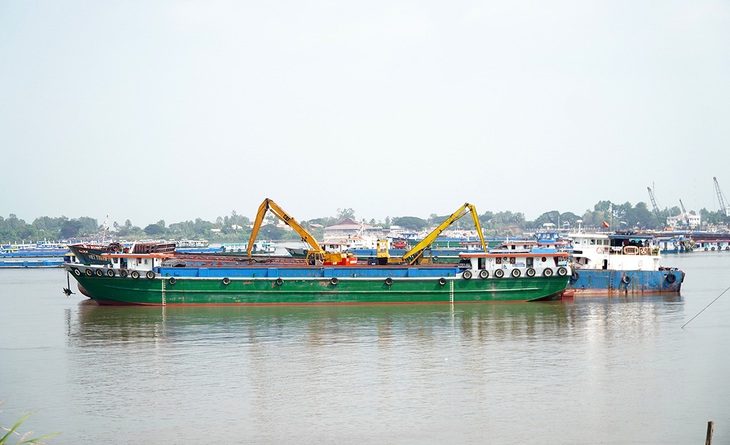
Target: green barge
pixel 160 280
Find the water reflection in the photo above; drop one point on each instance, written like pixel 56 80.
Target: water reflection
pixel 427 368
pixel 325 325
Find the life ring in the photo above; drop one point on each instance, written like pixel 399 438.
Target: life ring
pixel 562 271
pixel 76 271
pixel 499 273
pixel 626 279
pixel 134 274
pixel 88 272
pixel 498 261
pixel 110 273
pixel 671 278
pixel 516 273
pixel 574 276
pixel 334 281
pixel 512 260
pixel 643 250
pixel 279 281
pixel 466 275
pixel 172 281
pixel 530 272
pixel 547 272
pixel 123 273
pixel 226 281
pixel 483 274
pixel 442 281
pixel 150 275
pixel 388 281
pixel 599 250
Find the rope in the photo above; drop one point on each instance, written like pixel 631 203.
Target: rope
pixel 698 313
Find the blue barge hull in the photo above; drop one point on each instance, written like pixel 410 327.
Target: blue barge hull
pixel 600 282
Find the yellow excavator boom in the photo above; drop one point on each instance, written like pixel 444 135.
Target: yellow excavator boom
pixel 269 204
pixel 414 255
pixel 315 255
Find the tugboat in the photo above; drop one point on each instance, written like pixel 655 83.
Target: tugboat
pixel 619 262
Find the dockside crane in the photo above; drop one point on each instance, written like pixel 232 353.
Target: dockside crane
pixel 721 198
pixel 653 203
pixel 684 213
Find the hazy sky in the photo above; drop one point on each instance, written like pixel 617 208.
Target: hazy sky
pixel 149 110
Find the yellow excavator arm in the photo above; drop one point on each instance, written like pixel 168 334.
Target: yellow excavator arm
pixel 414 255
pixel 315 255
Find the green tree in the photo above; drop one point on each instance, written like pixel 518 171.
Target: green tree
pixel 410 222
pixel 345 213
pixel 71 229
pixel 155 230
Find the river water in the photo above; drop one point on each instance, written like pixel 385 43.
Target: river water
pixel 610 370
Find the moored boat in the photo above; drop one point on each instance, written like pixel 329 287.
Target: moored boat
pixel 89 253
pixel 620 262
pixel 160 279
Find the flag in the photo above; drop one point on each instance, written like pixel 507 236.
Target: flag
pixel 605 224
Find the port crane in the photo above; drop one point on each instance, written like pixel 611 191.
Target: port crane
pixel 415 255
pixel 315 255
pixel 653 203
pixel 721 198
pixel 684 213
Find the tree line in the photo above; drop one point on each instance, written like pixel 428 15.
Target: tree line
pixel 236 227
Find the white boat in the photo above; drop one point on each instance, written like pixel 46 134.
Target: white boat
pixel 626 262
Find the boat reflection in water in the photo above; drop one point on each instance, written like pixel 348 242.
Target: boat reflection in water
pixel 369 374
pixel 136 326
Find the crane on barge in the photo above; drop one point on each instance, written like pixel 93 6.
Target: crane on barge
pixel 316 255
pixel 415 255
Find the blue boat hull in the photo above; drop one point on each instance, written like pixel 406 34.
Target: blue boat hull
pixel 37 262
pixel 601 282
